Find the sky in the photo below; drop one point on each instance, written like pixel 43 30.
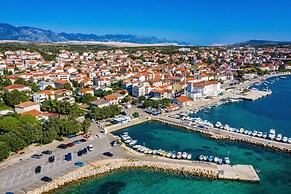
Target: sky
pixel 200 22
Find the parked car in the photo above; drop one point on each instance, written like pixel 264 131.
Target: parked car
pixel 80 153
pixel 46 179
pixel 70 145
pixel 68 156
pixel 76 142
pixel 37 155
pixel 37 170
pixel 115 143
pixel 48 152
pixel 79 164
pixel 90 148
pixel 84 151
pixel 82 140
pixel 51 159
pixel 109 154
pixel 62 146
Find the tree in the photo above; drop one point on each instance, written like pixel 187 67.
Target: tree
pixel 34 87
pixel 49 87
pixel 14 97
pixel 135 115
pixel 7 82
pixel 87 98
pixel 20 81
pixel 67 86
pixel 127 98
pixel 86 124
pixel 241 73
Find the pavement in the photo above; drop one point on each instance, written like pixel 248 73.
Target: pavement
pixel 20 177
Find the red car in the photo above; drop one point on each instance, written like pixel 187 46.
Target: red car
pixel 70 145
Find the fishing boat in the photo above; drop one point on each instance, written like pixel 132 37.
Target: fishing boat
pixel 189 156
pixel 226 160
pixel 279 137
pixel 272 134
pixel 201 157
pixel 285 139
pixel 210 158
pixel 184 155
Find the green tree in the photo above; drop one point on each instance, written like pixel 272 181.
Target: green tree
pixel 135 115
pixel 127 98
pixel 49 87
pixel 14 97
pixel 86 124
pixel 68 86
pixel 87 98
pixel 7 82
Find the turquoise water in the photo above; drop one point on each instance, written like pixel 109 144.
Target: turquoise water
pixel 275 167
pixel 273 111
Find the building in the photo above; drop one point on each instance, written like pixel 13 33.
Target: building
pixel 83 91
pixel 99 103
pixel 26 106
pixel 203 89
pixel 138 91
pixel 19 87
pixel 41 96
pixel 112 99
pixel 182 101
pixel 43 84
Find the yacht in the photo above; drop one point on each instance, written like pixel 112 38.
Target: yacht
pixel 272 134
pixel 201 157
pixel 260 134
pixel 265 135
pixel 226 160
pixel 279 137
pixel 210 158
pixel 189 156
pixel 285 139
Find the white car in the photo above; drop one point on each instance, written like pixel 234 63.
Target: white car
pixel 90 148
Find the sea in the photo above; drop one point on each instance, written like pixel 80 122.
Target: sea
pixel 262 114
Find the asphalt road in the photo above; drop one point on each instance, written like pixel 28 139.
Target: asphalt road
pixel 20 177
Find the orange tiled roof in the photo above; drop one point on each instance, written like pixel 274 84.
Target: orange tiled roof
pixel 183 99
pixel 110 97
pixel 33 112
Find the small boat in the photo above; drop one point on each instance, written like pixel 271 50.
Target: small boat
pixel 184 155
pixel 133 142
pixel 128 140
pixel 226 160
pixel 189 156
pixel 201 157
pixel 210 158
pixel 216 159
pixel 241 130
pixel 285 139
pixel 174 155
pixel 272 134
pixel 179 155
pixel 154 152
pixel 254 133
pixel 250 133
pixel 289 140
pixel 169 154
pixel 205 158
pixel 265 135
pixel 219 161
pixel 279 137
pixel 258 170
pixel 260 134
pixel 246 132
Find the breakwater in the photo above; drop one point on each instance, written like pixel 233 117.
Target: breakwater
pixel 227 135
pixel 108 166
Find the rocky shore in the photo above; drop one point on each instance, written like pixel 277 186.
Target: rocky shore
pixel 103 167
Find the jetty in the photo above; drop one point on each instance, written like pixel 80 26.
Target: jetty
pixel 253 95
pixel 238 172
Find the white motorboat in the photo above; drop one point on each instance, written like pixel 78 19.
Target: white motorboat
pixel 272 134
pixel 279 137
pixel 169 154
pixel 289 140
pixel 133 142
pixel 265 135
pixel 155 152
pixel 226 127
pixel 201 157
pixel 260 134
pixel 179 155
pixel 174 155
pixel 216 159
pixel 205 158
pixel 250 133
pixel 184 155
pixel 246 132
pixel 218 124
pixel 128 140
pixel 189 156
pixel 285 139
pixel 226 160
pixel 254 133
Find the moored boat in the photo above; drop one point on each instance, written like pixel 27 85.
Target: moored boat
pixel 189 156
pixel 279 137
pixel 201 157
pixel 272 134
pixel 226 160
pixel 210 158
pixel 285 139
pixel 184 155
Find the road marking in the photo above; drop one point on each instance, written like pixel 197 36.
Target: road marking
pixel 5 180
pixel 28 172
pixel 12 179
pixel 20 176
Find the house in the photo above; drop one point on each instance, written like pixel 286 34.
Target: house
pixel 182 101
pixel 83 91
pixel 204 88
pixel 26 106
pixel 138 91
pixel 160 94
pixel 19 87
pixel 43 84
pixel 99 103
pixel 102 82
pixel 34 113
pixel 60 83
pixel 41 96
pixel 112 99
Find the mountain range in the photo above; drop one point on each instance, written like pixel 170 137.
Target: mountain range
pixel 31 34
pixel 261 43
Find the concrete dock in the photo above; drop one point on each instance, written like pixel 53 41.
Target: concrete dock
pixel 238 172
pixel 254 95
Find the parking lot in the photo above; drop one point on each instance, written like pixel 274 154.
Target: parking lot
pixel 21 177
